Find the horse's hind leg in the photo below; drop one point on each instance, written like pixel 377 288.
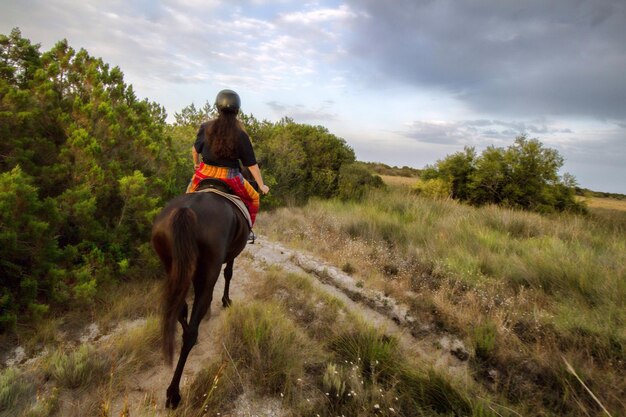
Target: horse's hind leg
pixel 228 274
pixel 204 281
pixel 182 317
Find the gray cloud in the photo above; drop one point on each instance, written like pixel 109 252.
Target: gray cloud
pixel 437 133
pixel 478 132
pixel 528 58
pixel 301 113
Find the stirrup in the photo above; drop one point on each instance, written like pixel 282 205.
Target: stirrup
pixel 251 238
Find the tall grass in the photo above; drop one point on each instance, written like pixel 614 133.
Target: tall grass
pixel 77 368
pixel 568 259
pixel 139 347
pixel 260 339
pixel 318 316
pixel 15 390
pixel 522 288
pixel 365 371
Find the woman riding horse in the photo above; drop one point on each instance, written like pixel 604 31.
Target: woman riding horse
pixel 196 233
pixel 223 142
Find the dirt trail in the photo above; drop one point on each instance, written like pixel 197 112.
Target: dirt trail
pixel 442 351
pixel 153 382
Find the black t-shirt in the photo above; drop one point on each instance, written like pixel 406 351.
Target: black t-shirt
pixel 244 151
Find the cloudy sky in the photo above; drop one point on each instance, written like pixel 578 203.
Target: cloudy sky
pixel 404 82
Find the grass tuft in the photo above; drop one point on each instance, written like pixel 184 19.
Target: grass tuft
pixel 263 341
pixel 377 354
pixel 14 389
pixel 484 340
pixel 139 346
pixel 77 368
pixel 46 405
pixel 214 388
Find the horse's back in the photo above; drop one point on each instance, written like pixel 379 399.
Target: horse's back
pixel 219 227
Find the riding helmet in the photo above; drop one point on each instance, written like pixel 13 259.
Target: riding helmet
pixel 227 101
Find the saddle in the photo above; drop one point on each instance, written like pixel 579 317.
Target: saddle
pixel 214 185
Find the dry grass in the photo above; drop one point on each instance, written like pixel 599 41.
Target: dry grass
pixel 262 342
pixel 608 211
pixel 88 376
pixel 128 300
pixel 306 353
pixel 139 347
pixel 396 181
pixel 365 370
pixel 523 289
pixel 77 368
pixel 605 203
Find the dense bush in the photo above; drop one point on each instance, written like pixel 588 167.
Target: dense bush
pixel 524 175
pixel 384 169
pixel 76 151
pixel 354 181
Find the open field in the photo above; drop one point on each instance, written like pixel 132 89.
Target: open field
pixel 527 291
pixel 605 203
pixel 610 211
pixel 396 181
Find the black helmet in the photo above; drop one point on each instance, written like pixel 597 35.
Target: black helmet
pixel 227 101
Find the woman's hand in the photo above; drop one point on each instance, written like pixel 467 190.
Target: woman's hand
pixel 264 189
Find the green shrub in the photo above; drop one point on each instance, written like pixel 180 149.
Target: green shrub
pixel 77 368
pixel 484 338
pixel 524 175
pixel 14 389
pixel 433 188
pixel 87 187
pixel 355 180
pixel 302 161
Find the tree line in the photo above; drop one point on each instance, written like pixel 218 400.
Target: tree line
pixel 85 165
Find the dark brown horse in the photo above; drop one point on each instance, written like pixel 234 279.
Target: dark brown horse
pixel 194 235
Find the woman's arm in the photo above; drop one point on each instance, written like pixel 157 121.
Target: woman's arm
pixel 256 174
pixel 194 154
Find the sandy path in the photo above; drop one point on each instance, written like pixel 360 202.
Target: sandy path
pixel 153 382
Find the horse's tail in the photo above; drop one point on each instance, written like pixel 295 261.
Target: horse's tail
pixel 184 258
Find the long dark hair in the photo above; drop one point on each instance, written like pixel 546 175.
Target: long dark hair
pixel 222 134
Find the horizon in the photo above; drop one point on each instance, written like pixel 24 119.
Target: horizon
pixel 404 85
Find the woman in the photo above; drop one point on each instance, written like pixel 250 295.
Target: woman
pixel 223 142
